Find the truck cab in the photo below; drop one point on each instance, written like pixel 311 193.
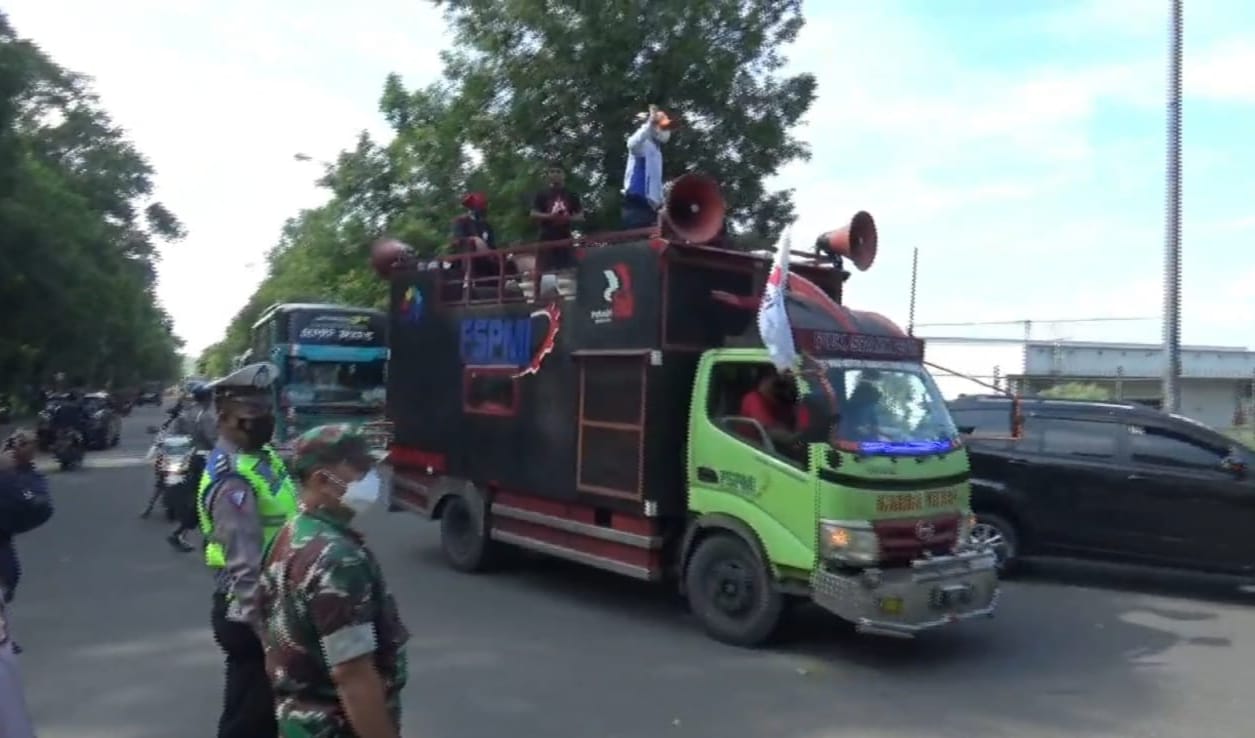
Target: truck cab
pixel 600 420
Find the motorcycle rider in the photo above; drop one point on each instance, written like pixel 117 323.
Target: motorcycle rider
pixel 197 421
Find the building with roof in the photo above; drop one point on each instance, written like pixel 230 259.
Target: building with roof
pixel 1217 382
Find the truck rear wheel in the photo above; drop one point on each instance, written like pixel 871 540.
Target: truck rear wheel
pixel 463 537
pixel 731 592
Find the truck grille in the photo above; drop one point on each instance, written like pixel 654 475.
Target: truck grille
pixel 901 540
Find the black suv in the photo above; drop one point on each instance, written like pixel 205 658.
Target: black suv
pixel 1108 480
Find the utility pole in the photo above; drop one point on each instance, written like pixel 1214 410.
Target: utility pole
pixel 1172 235
pixel 910 323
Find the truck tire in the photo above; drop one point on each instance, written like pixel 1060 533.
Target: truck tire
pixel 465 545
pixel 732 593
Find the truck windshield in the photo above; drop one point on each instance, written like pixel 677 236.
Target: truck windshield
pixel 890 408
pixel 336 381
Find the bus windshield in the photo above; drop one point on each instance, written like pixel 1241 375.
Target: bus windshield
pixel 890 408
pixel 316 382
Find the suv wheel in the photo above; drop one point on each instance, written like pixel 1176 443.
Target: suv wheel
pixel 999 534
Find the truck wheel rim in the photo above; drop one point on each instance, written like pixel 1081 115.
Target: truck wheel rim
pixel 731 587
pixel 984 534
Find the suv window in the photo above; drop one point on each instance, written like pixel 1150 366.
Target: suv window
pixel 1085 438
pixel 1163 447
pixel 994 421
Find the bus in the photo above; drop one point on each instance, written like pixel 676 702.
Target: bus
pixel 332 362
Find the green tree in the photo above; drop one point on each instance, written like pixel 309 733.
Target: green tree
pixel 78 234
pixel 1077 391
pixel 562 80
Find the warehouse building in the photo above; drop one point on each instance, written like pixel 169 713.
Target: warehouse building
pixel 1217 382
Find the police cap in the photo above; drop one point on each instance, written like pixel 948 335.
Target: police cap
pixel 249 384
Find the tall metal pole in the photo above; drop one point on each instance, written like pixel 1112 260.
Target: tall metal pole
pixel 1172 235
pixel 910 323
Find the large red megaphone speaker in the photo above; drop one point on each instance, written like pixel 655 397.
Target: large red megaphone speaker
pixel 856 241
pixel 694 208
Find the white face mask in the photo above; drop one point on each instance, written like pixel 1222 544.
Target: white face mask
pixel 361 495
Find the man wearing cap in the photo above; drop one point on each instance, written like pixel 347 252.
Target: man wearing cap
pixel 245 497
pixel 335 645
pixel 642 180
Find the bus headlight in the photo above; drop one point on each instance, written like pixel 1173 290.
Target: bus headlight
pixel 849 542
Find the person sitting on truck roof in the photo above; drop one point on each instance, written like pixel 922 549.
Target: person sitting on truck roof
pixel 554 209
pixel 773 403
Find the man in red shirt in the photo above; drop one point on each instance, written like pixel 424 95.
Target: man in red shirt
pixel 773 403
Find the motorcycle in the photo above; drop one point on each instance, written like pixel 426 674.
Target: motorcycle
pixel 68 448
pixel 177 462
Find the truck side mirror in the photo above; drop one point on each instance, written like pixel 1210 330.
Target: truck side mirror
pixel 815 418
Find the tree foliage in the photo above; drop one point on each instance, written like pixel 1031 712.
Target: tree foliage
pixel 78 234
pixel 1077 391
pixel 527 83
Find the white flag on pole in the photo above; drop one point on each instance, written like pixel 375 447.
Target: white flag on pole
pixel 773 318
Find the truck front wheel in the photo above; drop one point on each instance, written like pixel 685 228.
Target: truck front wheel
pixel 463 536
pixel 731 592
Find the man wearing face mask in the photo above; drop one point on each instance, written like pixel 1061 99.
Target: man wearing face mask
pixel 245 497
pixel 335 646
pixel 642 180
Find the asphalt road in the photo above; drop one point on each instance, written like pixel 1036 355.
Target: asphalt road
pixel 115 627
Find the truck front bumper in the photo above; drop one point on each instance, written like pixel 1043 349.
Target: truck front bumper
pixel 902 602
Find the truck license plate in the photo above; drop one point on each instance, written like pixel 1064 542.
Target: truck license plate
pixel 951 595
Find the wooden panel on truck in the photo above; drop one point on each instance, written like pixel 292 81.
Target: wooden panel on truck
pixel 666 430
pixel 616 303
pixel 612 390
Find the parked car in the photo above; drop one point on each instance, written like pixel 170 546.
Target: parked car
pixel 1108 480
pixel 104 425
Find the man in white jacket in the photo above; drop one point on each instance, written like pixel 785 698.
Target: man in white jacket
pixel 642 180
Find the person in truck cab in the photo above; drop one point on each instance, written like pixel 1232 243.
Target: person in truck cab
pixel 860 416
pixel 773 403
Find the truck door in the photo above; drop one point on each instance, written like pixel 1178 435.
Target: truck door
pixel 734 468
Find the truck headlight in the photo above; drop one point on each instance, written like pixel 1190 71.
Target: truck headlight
pixel 849 542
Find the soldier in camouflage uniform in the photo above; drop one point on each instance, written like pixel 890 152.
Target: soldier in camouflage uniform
pixel 334 642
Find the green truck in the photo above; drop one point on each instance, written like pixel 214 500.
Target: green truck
pixel 604 422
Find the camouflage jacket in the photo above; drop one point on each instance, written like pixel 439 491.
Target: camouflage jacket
pixel 324 602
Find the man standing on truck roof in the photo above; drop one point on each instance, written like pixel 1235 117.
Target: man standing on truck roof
pixel 335 645
pixel 244 498
pixel 642 180
pixel 473 234
pixel 554 209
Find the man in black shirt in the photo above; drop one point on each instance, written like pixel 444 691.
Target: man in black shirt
pixel 554 209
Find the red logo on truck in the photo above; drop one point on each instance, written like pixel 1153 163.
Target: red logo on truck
pixel 617 295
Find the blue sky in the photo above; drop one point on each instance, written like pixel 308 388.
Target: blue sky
pixel 1019 145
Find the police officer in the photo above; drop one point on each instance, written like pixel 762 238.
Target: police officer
pixel 245 496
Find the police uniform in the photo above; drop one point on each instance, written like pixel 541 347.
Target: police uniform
pixel 242 501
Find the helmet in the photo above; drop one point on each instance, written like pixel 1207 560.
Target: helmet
pixel 199 391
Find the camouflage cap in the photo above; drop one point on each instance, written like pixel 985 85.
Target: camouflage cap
pixel 328 445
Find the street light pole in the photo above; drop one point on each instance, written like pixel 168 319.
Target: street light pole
pixel 1172 234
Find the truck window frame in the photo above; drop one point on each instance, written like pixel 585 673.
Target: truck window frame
pixel 472 407
pixel 716 420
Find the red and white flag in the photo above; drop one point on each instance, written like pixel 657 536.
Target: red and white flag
pixel 773 318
